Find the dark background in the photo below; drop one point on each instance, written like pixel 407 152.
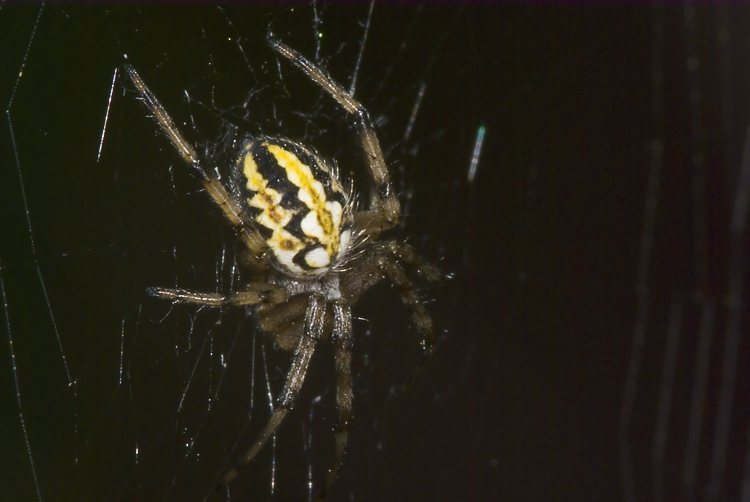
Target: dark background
pixel 555 377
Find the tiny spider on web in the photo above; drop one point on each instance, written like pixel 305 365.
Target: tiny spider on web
pixel 312 247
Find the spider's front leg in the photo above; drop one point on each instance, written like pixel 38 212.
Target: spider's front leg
pixel 313 330
pixel 342 341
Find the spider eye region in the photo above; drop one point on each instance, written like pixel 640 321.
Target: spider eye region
pixel 298 203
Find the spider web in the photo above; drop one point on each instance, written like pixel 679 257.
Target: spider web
pixel 689 336
pixel 108 394
pixel 592 342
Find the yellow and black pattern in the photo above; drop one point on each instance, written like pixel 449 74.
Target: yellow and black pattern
pixel 298 202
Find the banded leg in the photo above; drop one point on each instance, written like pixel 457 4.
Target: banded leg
pixel 250 236
pixel 314 321
pixel 389 212
pixel 254 293
pixel 342 342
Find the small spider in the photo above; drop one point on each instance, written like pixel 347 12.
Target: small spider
pixel 313 252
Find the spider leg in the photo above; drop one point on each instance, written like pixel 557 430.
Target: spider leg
pixel 389 211
pixel 408 255
pixel 255 292
pixel 342 341
pixel 314 322
pixel 383 263
pixel 419 315
pixel 213 186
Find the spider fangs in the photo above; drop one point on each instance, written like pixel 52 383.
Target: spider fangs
pixel 299 223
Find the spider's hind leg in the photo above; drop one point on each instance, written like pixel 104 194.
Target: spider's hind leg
pixel 229 206
pixel 387 210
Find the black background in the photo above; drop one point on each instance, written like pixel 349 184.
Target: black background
pixel 523 399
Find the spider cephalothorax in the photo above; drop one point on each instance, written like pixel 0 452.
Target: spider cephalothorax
pixel 299 223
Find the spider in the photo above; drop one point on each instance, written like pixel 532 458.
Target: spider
pixel 312 250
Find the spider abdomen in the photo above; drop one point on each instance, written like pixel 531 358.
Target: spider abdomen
pixel 298 202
